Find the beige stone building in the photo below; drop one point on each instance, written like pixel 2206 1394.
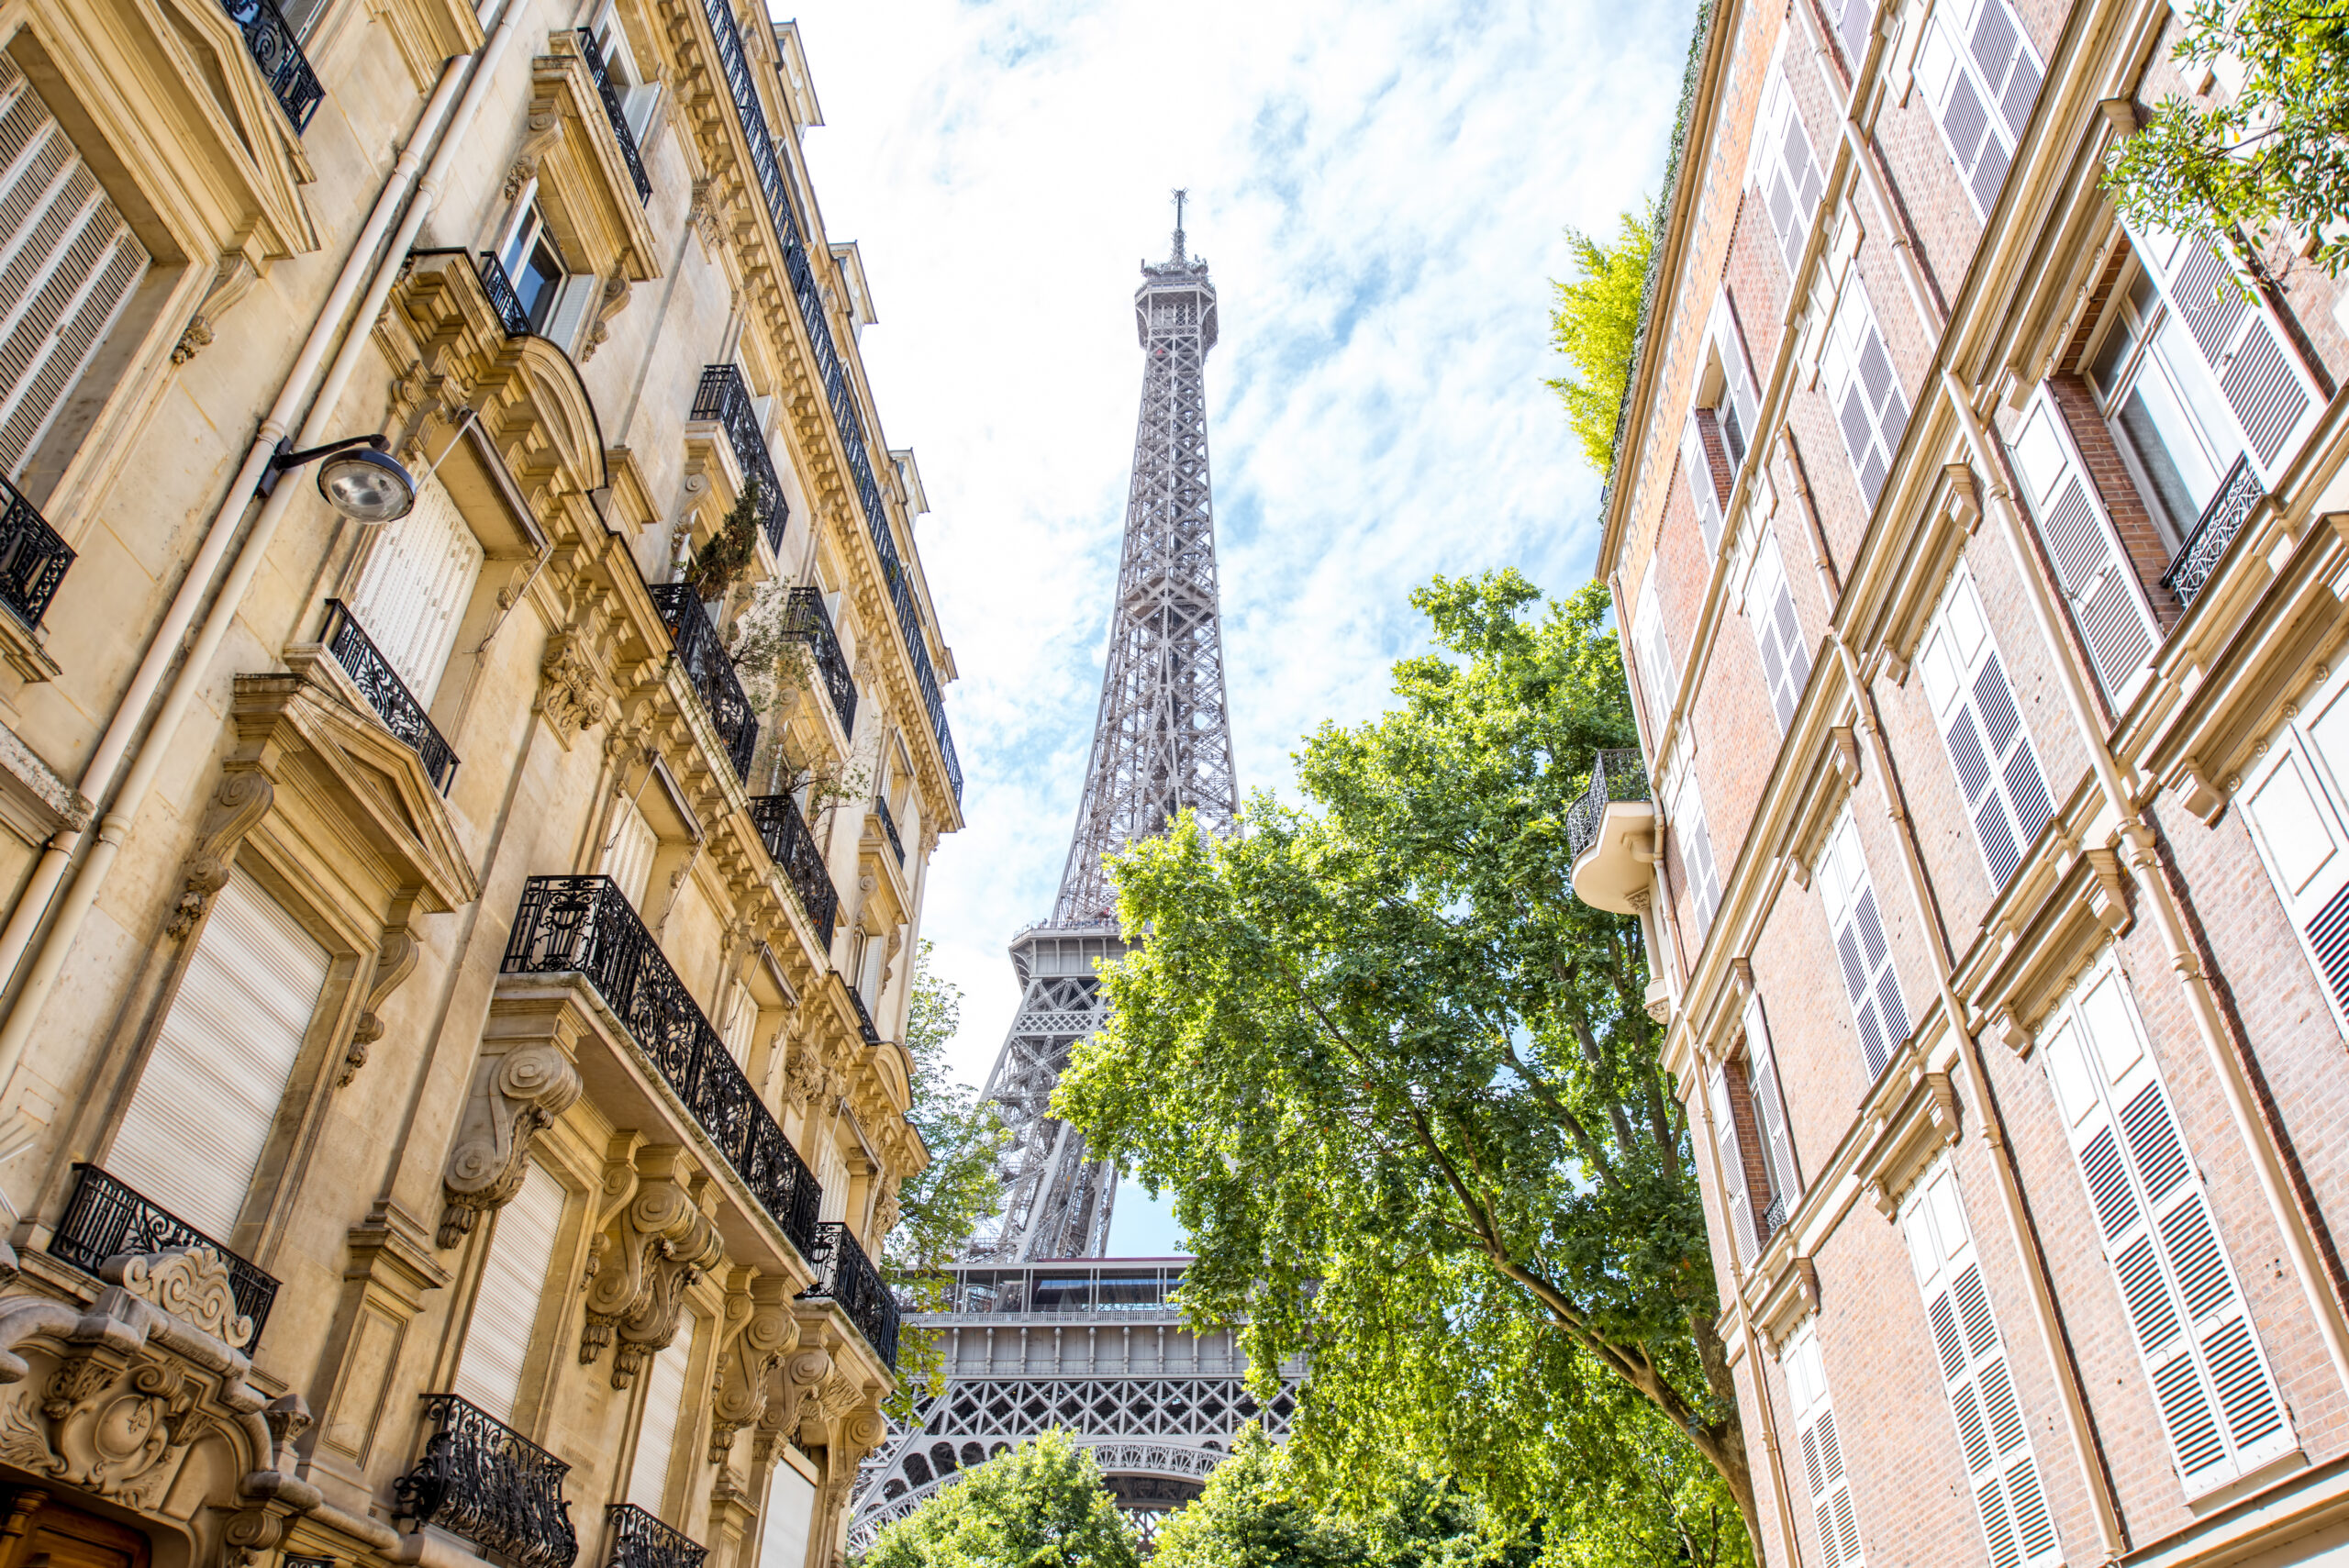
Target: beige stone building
pixel 450 1057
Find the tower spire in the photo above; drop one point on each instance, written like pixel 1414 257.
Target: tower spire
pixel 1178 223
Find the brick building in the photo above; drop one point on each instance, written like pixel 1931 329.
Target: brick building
pixel 1981 565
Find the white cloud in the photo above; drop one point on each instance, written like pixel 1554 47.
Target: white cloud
pixel 1380 188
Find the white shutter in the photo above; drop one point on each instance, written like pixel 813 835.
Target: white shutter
pixel 513 1281
pixel 1741 404
pixel 1703 493
pixel 1863 390
pixel 1696 852
pixel 1981 725
pixel 2294 802
pixel 2091 566
pixel 1777 634
pixel 68 265
pixel 572 296
pixel 2194 1334
pixel 790 1515
pixel 1770 1109
pixel 2261 378
pixel 216 1077
pixel 412 592
pixel 1853 19
pixel 831 1175
pixel 1822 1451
pixel 628 860
pixel 656 1435
pixel 1870 982
pixel 1784 165
pixel 1981 77
pixel 1992 1432
pixel 1654 652
pixel 1736 1202
pixel 741 1021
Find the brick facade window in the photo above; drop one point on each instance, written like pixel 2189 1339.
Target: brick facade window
pixel 1981 724
pixel 1862 389
pixel 2296 800
pixel 1822 1451
pixel 1784 169
pixel 1777 631
pixel 1980 78
pixel 1870 982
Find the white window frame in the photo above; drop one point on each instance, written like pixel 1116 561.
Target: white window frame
pixel 1863 387
pixel 1981 78
pixel 1696 844
pixel 1983 730
pixel 1652 649
pixel 1863 943
pixel 1790 190
pixel 2295 800
pixel 1768 603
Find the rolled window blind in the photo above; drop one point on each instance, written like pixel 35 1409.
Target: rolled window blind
pixel 656 1436
pixel 831 1175
pixel 741 1021
pixel 412 590
pixel 790 1515
pixel 513 1280
pixel 628 860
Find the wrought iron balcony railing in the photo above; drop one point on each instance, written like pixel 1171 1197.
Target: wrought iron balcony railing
pixel 594 55
pixel 806 617
pixel 889 829
pixel 105 1218
pixel 846 1277
pixel 387 693
pixel 722 397
pixel 640 1541
pixel 791 847
pixel 502 297
pixel 278 54
pixel 1616 774
pixel 847 421
pixel 585 924
pixel 711 671
pixel 481 1479
pixel 864 1015
pixel 32 558
pixel 2197 559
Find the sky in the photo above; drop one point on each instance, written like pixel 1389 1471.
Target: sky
pixel 1381 189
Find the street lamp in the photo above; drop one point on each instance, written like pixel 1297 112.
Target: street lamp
pixel 360 478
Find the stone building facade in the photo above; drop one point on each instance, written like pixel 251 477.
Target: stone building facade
pixel 1981 565
pixel 450 1056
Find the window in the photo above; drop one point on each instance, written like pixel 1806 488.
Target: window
pixel 554 299
pixel 506 1307
pixel 790 1513
pixel 831 1176
pixel 208 1095
pixel 2194 1335
pixel 664 1416
pixel 1863 390
pixel 1721 425
pixel 1770 1106
pixel 1733 1135
pixel 1855 19
pixel 1822 1452
pixel 68 265
pixel 2091 565
pixel 1777 634
pixel 1990 750
pixel 1783 167
pixel 1658 674
pixel 741 1021
pixel 1992 1432
pixel 1981 77
pixel 628 855
pixel 1696 852
pixel 1870 981
pixel 1759 1185
pixel 413 592
pixel 636 95
pixel 2293 800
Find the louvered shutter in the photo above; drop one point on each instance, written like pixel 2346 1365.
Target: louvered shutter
pixel 68 265
pixel 1736 1201
pixel 1649 645
pixel 656 1435
pixel 412 592
pixel 1854 20
pixel 2001 1471
pixel 790 1515
pixel 1696 464
pixel 1981 725
pixel 1741 406
pixel 2194 1334
pixel 2261 378
pixel 1863 390
pixel 2294 801
pixel 1981 77
pixel 2098 583
pixel 1785 167
pixel 1870 982
pixel 1696 852
pixel 209 1094
pixel 506 1307
pixel 1777 634
pixel 831 1176
pixel 628 860
pixel 1770 1109
pixel 1822 1451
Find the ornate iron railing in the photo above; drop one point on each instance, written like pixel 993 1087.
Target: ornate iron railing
pixel 481 1479
pixel 2224 519
pixel 642 1540
pixel 1614 775
pixel 791 847
pixel 711 671
pixel 387 693
pixel 847 421
pixel 594 55
pixel 33 558
pixel 585 924
pixel 502 297
pixel 722 397
pixel 889 829
pixel 846 1277
pixel 806 617
pixel 864 1015
pixel 278 54
pixel 105 1218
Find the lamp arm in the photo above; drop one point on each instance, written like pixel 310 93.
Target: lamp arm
pixel 287 459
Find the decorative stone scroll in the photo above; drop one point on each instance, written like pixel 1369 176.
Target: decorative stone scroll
pixel 763 1332
pixel 514 1095
pixel 244 799
pixel 191 1283
pixel 662 1243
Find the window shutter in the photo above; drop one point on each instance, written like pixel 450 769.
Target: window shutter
pixel 1990 750
pixel 1741 404
pixel 2091 565
pixel 1784 165
pixel 1654 652
pixel 1770 611
pixel 505 1307
pixel 628 860
pixel 656 1435
pixel 1769 1104
pixel 209 1094
pixel 1736 1203
pixel 1870 981
pixel 1853 19
pixel 2003 1473
pixel 1822 1451
pixel 2261 379
pixel 831 1175
pixel 741 1021
pixel 413 592
pixel 1863 390
pixel 2294 804
pixel 2194 1334
pixel 790 1513
pixel 1981 78
pixel 1696 852
pixel 68 265
pixel 1697 464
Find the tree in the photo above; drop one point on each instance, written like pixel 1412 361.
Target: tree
pixel 1405 1088
pixel 1039 1506
pixel 723 561
pixel 1595 324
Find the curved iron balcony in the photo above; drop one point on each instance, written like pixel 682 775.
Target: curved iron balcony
pixel 864 1015
pixel 387 693
pixel 640 1541
pixel 105 1218
pixel 481 1479
pixel 805 617
pixel 711 671
pixel 585 925
pixel 277 53
pixel 793 848
pixel 889 829
pixel 634 159
pixel 723 399
pixel 502 297
pixel 2197 559
pixel 33 558
pixel 1605 827
pixel 846 1277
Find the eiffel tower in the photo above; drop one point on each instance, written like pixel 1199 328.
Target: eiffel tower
pixel 1045 1329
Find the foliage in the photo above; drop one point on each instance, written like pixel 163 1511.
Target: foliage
pixel 727 557
pixel 1595 324
pixel 1039 1506
pixel 1405 1088
pixel 2272 151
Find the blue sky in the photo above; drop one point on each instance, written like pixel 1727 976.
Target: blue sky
pixel 1380 187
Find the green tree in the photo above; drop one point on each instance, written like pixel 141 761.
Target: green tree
pixel 1404 1086
pixel 2272 148
pixel 724 560
pixel 1595 324
pixel 1040 1506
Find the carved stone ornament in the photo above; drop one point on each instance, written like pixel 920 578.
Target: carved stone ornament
pixel 191 1283
pixel 514 1097
pixel 571 689
pixel 395 962
pixel 803 1074
pixel 799 1375
pixel 609 302
pixel 96 1428
pixel 766 1334
pixel 242 800
pixel 519 177
pixel 232 280
pixel 637 1293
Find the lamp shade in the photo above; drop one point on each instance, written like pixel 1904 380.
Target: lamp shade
pixel 366 486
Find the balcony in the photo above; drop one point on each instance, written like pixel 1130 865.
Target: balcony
pixel 711 672
pixel 481 1479
pixel 793 848
pixel 889 830
pixel 846 1277
pixel 640 1541
pixel 2197 559
pixel 864 1029
pixel 387 693
pixel 723 399
pixel 104 1219
pixel 614 113
pixel 584 925
pixel 277 55
pixel 1611 832
pixel 502 297
pixel 806 617
pixel 32 558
